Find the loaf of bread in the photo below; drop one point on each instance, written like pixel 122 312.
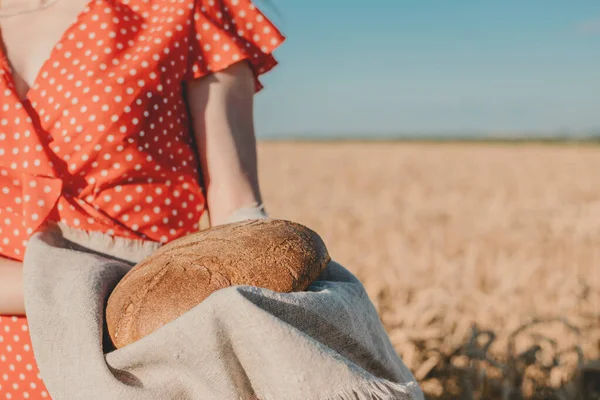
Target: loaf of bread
pixel 274 254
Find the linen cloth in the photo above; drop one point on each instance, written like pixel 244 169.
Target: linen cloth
pixel 240 343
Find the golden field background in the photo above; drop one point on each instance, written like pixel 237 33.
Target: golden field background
pixel 445 236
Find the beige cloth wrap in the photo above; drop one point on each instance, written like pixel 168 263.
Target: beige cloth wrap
pixel 240 343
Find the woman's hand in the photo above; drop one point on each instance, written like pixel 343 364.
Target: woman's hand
pixel 11 287
pixel 221 106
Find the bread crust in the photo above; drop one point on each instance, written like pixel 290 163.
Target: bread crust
pixel 279 255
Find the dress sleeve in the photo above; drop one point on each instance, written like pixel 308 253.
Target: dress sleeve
pixel 225 32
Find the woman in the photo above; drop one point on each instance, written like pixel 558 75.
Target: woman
pixel 95 122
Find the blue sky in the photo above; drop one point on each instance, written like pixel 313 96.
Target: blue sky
pixel 388 67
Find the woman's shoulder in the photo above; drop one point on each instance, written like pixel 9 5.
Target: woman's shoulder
pixel 241 19
pixel 204 35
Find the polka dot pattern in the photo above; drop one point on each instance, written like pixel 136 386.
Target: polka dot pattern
pixel 103 143
pixel 19 376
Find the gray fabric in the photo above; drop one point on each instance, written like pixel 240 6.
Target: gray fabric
pixel 256 211
pixel 240 343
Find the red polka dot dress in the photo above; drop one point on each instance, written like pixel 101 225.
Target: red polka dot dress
pixel 103 142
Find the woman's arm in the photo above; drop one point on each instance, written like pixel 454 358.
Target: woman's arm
pixel 11 287
pixel 221 105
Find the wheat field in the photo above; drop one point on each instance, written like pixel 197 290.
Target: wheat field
pixel 483 260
